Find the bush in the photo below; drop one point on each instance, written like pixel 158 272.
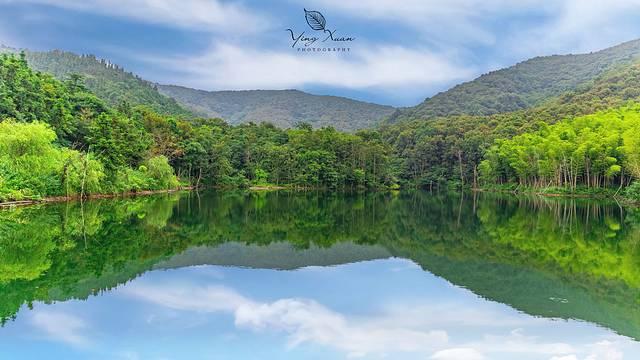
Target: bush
pixel 30 165
pixel 160 174
pixel 633 191
pixel 83 173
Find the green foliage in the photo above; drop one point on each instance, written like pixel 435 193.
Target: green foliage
pixel 30 165
pixel 160 174
pixel 591 151
pixel 443 149
pixel 83 174
pixel 633 191
pixel 118 140
pixel 108 81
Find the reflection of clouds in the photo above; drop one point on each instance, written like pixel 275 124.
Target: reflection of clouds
pixel 601 350
pixel 448 314
pixel 309 321
pixel 59 326
pixel 517 342
pixel 423 329
pixel 303 320
pixel 458 354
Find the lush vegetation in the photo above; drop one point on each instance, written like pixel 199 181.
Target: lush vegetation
pixel 108 81
pixel 60 139
pixel 593 151
pixel 522 86
pixel 133 148
pixel 450 149
pixel 283 108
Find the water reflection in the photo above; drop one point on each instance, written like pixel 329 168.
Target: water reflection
pixel 566 259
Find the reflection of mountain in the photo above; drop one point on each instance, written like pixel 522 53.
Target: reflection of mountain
pixel 554 258
pixel 280 256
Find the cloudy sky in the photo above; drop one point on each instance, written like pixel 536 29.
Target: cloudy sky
pixel 403 51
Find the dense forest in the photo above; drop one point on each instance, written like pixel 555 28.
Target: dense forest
pixel 60 139
pixel 283 108
pixel 107 80
pixel 450 149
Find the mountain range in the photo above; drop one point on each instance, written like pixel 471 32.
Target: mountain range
pixel 572 83
pixel 525 85
pixel 283 108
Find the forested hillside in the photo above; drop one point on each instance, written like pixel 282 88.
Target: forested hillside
pixel 57 138
pixel 283 108
pixel 108 81
pixel 523 85
pixel 450 148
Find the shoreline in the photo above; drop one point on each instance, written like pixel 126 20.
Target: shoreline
pixel 57 199
pixel 616 198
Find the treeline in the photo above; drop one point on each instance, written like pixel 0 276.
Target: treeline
pixel 108 81
pixel 57 138
pixel 449 150
pixel 593 151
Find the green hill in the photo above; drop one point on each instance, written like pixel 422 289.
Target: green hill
pixel 523 85
pixel 108 81
pixel 437 149
pixel 284 108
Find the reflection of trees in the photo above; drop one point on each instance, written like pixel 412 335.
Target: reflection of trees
pixel 518 251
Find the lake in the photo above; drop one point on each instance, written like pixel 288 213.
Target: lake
pixel 286 275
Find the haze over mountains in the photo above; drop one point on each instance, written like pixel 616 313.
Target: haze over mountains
pixel 283 108
pixel 577 83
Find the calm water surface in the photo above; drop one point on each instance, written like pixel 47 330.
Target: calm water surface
pixel 318 276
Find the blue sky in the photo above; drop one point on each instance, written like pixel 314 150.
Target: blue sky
pixel 403 51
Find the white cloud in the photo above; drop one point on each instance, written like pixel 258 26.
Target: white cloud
pixel 303 320
pixel 308 321
pixel 202 15
pixel 517 342
pixel 601 350
pixel 458 354
pixel 190 298
pixel 227 66
pixel 62 327
pixel 605 350
pixel 565 357
pixel 444 22
pixel 558 27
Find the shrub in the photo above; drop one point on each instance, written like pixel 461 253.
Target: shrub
pixel 160 174
pixel 633 191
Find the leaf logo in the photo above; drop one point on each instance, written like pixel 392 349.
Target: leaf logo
pixel 315 19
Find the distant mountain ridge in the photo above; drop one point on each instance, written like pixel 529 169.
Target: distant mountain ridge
pixel 284 108
pixel 557 84
pixel 522 86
